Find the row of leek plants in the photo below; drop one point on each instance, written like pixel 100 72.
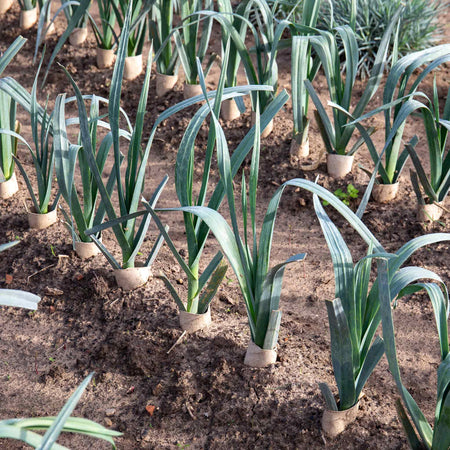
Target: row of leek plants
pixel 111 12
pixel 403 98
pixel 91 161
pixel 355 314
pixel 129 188
pixel 192 40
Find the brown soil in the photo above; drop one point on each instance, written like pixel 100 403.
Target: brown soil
pixel 204 396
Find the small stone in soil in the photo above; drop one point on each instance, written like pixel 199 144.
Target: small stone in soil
pixel 108 422
pixel 110 412
pixel 158 389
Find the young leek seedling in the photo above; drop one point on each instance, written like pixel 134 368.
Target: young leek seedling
pixel 399 89
pixel 260 286
pixel 85 210
pixel 104 34
pixel 354 315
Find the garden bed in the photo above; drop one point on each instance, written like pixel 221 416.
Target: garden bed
pixel 203 395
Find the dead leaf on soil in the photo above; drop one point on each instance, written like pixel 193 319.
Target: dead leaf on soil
pixel 8 278
pixel 150 409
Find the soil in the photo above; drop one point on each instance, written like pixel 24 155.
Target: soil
pixel 204 397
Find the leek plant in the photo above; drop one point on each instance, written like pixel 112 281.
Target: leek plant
pixel 303 67
pixel 160 32
pixel 354 315
pixel 437 184
pixel 43 155
pixel 137 30
pixel 8 144
pixel 250 259
pixel 24 429
pixel 419 433
pixel 337 134
pixel 197 229
pixel 192 42
pixel 395 112
pixel 104 34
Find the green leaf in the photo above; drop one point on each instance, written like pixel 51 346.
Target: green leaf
pixel 212 287
pixel 172 291
pixel 369 363
pixel 30 438
pixel 417 416
pixel 441 434
pixel 341 354
pixel 212 266
pixel 270 298
pixel 20 299
pixel 10 52
pixel 413 441
pixel 55 429
pixel 328 396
